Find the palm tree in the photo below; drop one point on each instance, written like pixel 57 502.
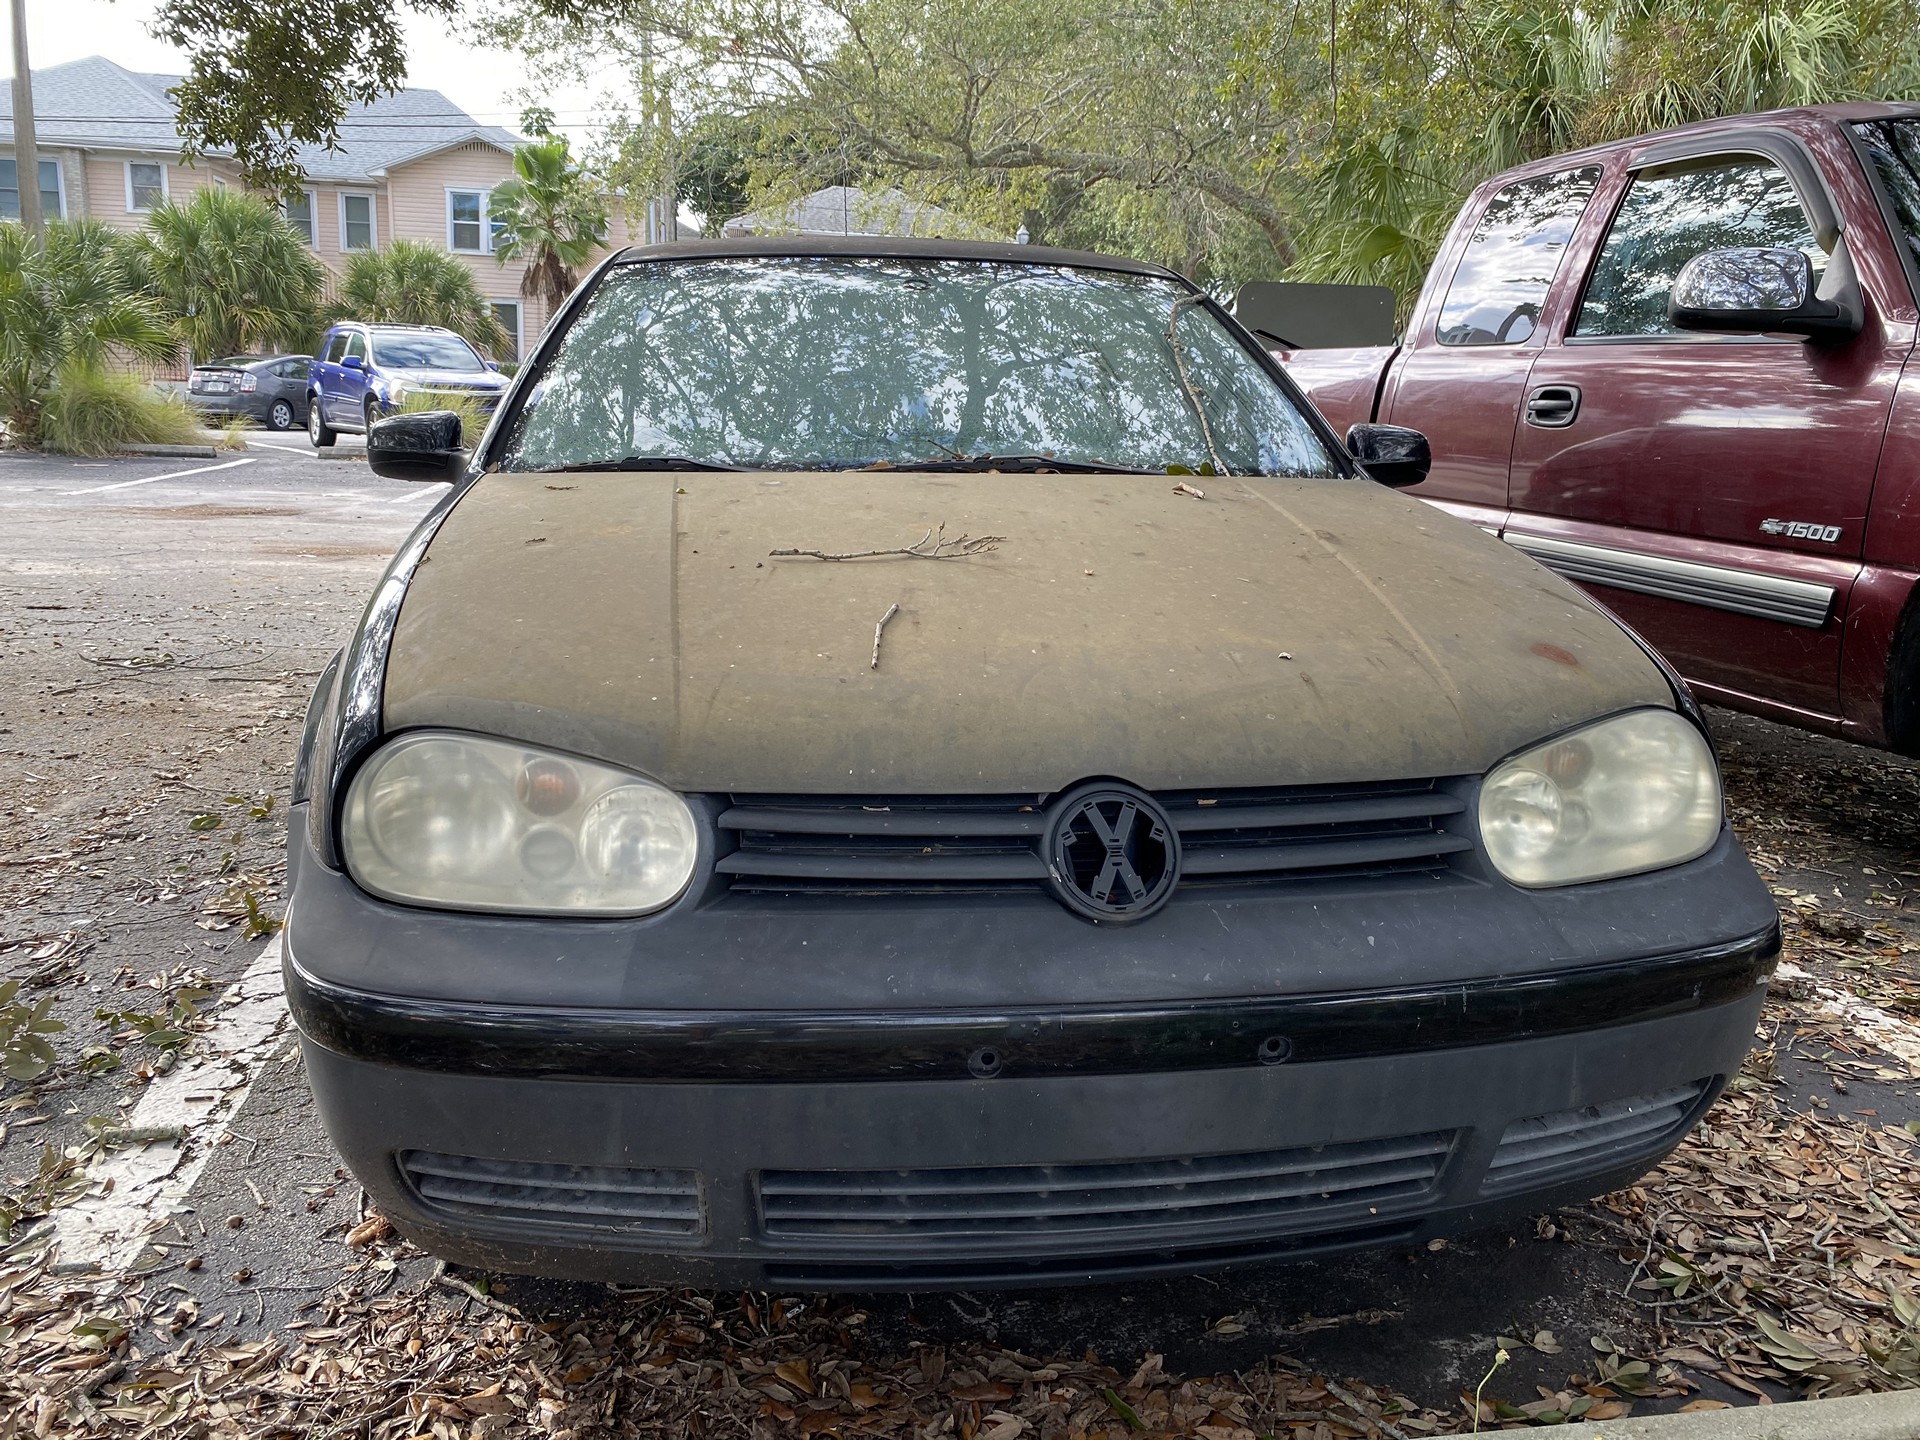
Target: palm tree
pixel 412 283
pixel 234 276
pixel 551 216
pixel 68 305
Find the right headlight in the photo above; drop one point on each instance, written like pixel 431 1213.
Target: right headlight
pixel 469 823
pixel 1637 792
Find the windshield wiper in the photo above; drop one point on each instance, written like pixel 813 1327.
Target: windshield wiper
pixel 633 462
pixel 1021 465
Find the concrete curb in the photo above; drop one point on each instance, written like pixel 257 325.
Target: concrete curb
pixel 338 454
pixel 1894 1416
pixel 172 452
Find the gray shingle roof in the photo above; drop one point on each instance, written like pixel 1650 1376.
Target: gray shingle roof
pixel 96 104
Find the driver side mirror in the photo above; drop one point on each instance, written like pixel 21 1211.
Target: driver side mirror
pixel 1392 454
pixel 421 446
pixel 352 362
pixel 1759 290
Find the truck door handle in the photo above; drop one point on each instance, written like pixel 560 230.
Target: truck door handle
pixel 1553 407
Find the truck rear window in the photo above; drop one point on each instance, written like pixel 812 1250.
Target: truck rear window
pixel 1894 148
pixel 1509 264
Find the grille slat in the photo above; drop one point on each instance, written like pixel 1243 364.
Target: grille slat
pixel 1540 1147
pixel 594 1197
pixel 930 845
pixel 981 1209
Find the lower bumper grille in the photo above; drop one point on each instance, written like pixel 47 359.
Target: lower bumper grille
pixel 581 1197
pixel 1540 1148
pixel 1002 1208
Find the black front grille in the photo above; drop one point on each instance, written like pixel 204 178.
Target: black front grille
pixel 1004 1209
pixel 809 845
pixel 576 1197
pixel 1542 1148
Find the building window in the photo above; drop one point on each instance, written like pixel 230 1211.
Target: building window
pixel 51 204
pixel 467 221
pixel 146 184
pixel 507 312
pixel 356 222
pixel 298 208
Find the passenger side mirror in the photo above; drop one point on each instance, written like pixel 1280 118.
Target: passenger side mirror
pixel 1758 290
pixel 1392 454
pixel 421 446
pixel 352 362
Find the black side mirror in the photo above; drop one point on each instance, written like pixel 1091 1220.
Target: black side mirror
pixel 1759 290
pixel 424 445
pixel 1392 454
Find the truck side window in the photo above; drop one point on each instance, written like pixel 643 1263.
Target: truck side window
pixel 357 346
pixel 1509 264
pixel 336 348
pixel 1671 215
pixel 1894 146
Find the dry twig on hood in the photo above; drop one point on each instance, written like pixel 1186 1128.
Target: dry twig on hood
pixel 933 545
pixel 892 610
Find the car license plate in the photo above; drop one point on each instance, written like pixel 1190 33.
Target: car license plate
pixel 216 387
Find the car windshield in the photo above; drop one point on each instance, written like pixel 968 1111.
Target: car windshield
pixel 1895 148
pixel 424 352
pixel 842 362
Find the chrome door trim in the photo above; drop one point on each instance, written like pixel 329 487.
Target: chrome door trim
pixel 1768 597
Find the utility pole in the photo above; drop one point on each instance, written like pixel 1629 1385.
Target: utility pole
pixel 26 151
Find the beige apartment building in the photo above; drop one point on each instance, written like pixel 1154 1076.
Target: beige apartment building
pixel 411 165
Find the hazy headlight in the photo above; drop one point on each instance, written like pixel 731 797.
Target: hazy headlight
pixel 474 824
pixel 1637 792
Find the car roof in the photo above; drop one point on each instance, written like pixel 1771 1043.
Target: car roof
pixel 1839 113
pixel 884 247
pixel 387 325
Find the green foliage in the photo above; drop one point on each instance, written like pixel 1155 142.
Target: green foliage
pixel 91 411
pixel 411 283
pixel 25 1052
pixel 233 276
pixel 552 215
pixel 473 420
pixel 67 306
pixel 266 79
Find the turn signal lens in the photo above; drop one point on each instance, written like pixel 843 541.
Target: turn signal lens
pixel 468 823
pixel 1637 792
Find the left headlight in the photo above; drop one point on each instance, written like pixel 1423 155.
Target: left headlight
pixel 466 823
pixel 1637 792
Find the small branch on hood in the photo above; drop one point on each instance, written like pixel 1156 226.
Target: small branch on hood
pixel 892 610
pixel 933 545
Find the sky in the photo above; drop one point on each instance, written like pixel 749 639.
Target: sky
pixel 485 83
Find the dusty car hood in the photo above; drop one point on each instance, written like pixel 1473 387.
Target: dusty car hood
pixel 1274 632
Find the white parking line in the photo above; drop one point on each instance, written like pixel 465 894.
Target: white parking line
pixel 171 475
pixel 283 449
pixel 1880 1028
pixel 137 1187
pixel 434 489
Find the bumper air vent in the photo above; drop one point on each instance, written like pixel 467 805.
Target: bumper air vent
pixel 1544 1148
pixel 888 845
pixel 574 1197
pixel 1101 1208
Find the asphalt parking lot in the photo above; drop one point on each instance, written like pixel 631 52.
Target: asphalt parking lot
pixel 161 625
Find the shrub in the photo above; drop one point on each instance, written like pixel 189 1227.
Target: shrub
pixel 91 411
pixel 413 283
pixel 473 420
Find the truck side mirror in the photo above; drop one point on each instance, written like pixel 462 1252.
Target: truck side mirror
pixel 1392 454
pixel 424 446
pixel 1761 290
pixel 352 362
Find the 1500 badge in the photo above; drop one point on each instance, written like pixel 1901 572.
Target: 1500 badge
pixel 1800 530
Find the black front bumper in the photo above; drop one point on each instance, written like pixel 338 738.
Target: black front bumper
pixel 849 1096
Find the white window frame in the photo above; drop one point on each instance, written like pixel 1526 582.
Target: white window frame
pixel 519 305
pixel 166 190
pixel 59 179
pixel 313 217
pixel 373 220
pixel 486 218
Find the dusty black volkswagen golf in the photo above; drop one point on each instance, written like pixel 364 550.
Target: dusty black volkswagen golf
pixel 907 765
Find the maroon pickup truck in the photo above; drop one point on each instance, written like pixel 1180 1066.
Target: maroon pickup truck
pixel 1680 370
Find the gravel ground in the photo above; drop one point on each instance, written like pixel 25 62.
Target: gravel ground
pixel 159 638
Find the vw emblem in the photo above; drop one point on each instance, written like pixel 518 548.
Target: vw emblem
pixel 1112 853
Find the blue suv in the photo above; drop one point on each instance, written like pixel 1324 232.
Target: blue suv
pixel 363 372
